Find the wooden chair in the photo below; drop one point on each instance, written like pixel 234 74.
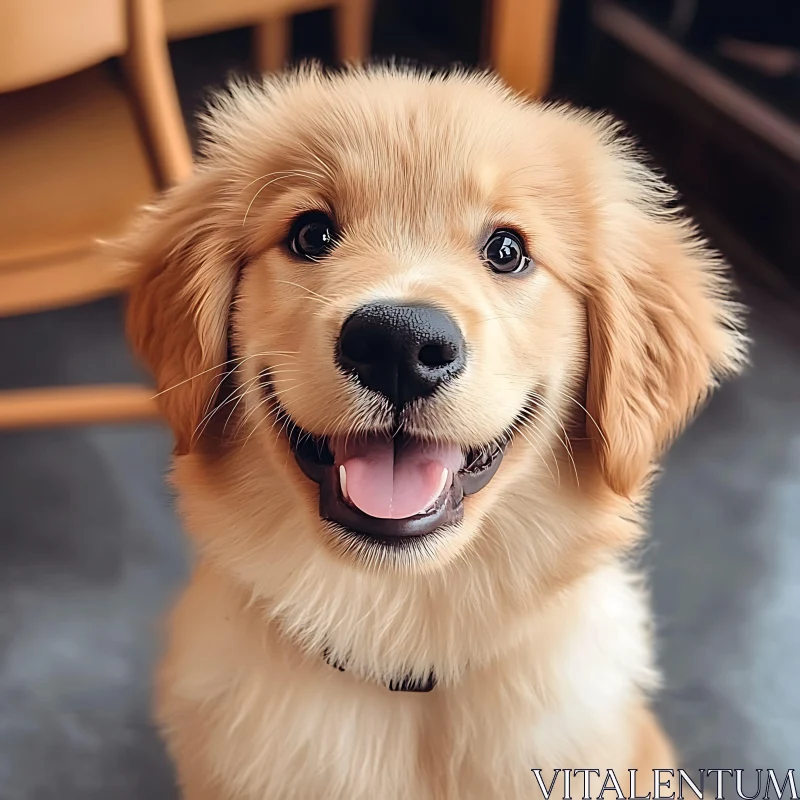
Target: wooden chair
pixel 522 43
pixel 271 22
pixel 90 129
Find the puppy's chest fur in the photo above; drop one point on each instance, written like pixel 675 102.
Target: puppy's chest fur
pixel 253 716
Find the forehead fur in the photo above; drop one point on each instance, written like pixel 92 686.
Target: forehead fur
pixel 396 146
pixel 384 119
pixel 360 115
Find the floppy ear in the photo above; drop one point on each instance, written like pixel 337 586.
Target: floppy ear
pixel 184 272
pixel 662 327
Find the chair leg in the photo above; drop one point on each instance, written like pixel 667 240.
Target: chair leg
pixel 353 20
pixel 523 36
pixel 272 43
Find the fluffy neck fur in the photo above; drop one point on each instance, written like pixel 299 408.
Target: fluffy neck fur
pixel 529 560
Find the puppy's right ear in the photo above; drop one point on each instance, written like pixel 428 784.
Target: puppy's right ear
pixel 183 269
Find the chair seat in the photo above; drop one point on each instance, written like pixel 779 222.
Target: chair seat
pixel 74 169
pixel 65 280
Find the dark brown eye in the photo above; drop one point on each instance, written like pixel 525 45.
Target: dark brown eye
pixel 312 235
pixel 505 253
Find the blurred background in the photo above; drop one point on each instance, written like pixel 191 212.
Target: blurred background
pixel 97 99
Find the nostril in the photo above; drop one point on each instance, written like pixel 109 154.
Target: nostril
pixel 362 344
pixel 437 355
pixel 360 350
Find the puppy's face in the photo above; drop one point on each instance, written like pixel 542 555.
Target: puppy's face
pixel 430 296
pixel 400 320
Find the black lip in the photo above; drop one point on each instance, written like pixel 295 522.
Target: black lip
pixel 317 464
pixel 449 509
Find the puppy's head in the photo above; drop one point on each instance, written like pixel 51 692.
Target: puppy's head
pixel 402 298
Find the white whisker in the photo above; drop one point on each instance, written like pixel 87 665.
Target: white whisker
pixel 311 292
pixel 545 406
pixel 268 183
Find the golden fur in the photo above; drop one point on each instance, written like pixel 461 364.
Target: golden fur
pixel 530 614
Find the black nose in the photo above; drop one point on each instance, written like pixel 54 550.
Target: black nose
pixel 403 352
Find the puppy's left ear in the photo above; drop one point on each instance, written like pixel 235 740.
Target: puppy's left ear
pixel 663 329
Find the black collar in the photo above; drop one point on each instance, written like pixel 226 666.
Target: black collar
pixel 406 683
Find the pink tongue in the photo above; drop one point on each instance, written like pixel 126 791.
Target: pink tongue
pixel 391 484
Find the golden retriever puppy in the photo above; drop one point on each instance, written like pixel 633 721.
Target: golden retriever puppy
pixel 420 343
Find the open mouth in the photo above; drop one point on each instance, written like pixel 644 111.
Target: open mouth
pixel 391 488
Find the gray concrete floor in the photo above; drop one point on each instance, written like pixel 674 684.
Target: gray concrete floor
pixel 725 562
